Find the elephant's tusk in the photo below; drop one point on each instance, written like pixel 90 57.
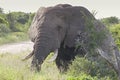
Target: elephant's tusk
pixel 102 53
pixel 54 56
pixel 28 56
pixel 115 63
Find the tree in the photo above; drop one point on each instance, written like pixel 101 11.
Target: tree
pixel 11 21
pixel 1 10
pixel 23 18
pixel 110 20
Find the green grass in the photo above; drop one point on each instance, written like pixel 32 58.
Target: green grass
pixel 13 37
pixel 12 68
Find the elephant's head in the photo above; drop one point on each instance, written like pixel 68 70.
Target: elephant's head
pixel 47 31
pixel 60 25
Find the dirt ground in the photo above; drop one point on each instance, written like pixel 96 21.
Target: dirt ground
pixel 16 47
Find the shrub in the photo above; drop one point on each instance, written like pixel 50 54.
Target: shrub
pixel 13 37
pixel 2 20
pixel 110 20
pixel 4 29
pixel 82 77
pixel 1 10
pixel 115 30
pixel 94 69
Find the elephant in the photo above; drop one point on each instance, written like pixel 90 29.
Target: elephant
pixel 58 29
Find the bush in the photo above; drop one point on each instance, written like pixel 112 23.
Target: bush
pixel 22 18
pixel 13 37
pixel 4 29
pixel 115 30
pixel 94 69
pixel 19 21
pixel 82 77
pixel 110 20
pixel 2 20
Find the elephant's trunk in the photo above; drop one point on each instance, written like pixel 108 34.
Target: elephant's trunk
pixel 40 53
pixel 44 44
pixel 40 41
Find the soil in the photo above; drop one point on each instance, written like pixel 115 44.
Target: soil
pixel 16 47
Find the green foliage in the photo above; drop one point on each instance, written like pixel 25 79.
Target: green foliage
pixel 22 18
pixel 80 65
pixel 4 29
pixel 12 68
pixel 1 10
pixel 13 37
pixel 92 64
pixel 13 23
pixel 110 20
pixel 87 77
pixel 113 25
pixel 3 19
pixel 94 69
pixel 91 37
pixel 94 36
pixel 82 77
pixel 115 30
pixel 19 21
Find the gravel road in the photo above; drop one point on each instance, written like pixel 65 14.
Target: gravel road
pixel 16 47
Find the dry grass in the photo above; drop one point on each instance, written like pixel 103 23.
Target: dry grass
pixel 12 68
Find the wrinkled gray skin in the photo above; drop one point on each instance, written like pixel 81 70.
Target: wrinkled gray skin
pixel 58 27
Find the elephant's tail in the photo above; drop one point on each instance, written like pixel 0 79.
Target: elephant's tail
pixel 28 56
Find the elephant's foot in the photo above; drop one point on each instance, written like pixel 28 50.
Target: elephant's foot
pixel 64 58
pixel 35 65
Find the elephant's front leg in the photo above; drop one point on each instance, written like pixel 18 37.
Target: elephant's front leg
pixel 65 55
pixel 62 64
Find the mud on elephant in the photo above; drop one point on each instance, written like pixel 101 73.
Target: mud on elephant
pixel 57 29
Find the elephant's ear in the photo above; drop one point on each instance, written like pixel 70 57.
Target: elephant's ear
pixel 76 26
pixel 33 31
